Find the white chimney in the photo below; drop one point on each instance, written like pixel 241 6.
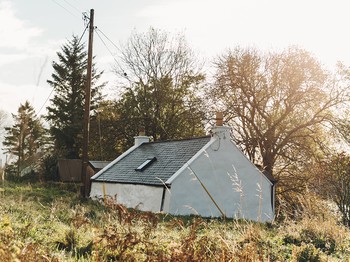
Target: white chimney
pixel 141 138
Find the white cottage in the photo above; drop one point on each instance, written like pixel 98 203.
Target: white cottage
pixel 208 176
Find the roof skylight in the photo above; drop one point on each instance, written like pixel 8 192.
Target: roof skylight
pixel 145 164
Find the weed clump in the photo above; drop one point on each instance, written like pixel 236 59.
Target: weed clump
pixel 306 253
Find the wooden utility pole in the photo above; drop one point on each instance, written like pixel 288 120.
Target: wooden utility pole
pixel 85 179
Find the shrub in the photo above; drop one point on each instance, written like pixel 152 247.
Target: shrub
pixel 48 168
pixel 306 253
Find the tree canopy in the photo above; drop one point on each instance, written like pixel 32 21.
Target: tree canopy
pixel 26 137
pixel 161 87
pixel 279 105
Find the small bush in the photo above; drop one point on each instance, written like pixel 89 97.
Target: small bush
pixel 11 175
pixel 306 253
pixel 48 168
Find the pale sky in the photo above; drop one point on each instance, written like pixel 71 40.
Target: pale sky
pixel 31 32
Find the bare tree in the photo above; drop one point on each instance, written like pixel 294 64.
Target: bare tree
pixel 332 181
pixel 278 105
pixel 161 85
pixel 341 120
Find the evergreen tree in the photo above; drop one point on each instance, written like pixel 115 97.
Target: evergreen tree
pixel 26 137
pixel 65 114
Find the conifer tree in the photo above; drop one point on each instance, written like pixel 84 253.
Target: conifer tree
pixel 26 137
pixel 65 114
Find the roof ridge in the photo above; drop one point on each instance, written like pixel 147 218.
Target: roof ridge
pixel 178 140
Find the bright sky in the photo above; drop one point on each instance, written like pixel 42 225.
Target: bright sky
pixel 31 32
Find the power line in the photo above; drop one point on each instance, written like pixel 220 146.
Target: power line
pixel 86 27
pixel 45 101
pixel 64 8
pixel 109 39
pixel 53 88
pixel 104 43
pixel 72 6
pixel 87 22
pixel 115 60
pixel 76 2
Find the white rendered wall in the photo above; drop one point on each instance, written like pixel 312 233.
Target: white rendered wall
pixel 145 198
pixel 235 184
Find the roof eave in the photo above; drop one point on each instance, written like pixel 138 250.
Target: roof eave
pixel 130 183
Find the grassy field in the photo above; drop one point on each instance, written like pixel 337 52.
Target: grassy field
pixel 49 222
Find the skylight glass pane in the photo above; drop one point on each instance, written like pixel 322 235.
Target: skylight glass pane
pixel 144 164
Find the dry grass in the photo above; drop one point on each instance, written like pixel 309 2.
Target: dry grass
pixel 51 223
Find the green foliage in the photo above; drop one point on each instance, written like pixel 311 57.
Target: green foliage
pixel 13 250
pixel 306 253
pixel 11 175
pixel 65 114
pixel 48 168
pixel 70 243
pixel 24 140
pixel 106 132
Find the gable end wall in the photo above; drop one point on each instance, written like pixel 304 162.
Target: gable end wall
pixel 238 188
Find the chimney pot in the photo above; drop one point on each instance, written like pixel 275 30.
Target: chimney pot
pixel 219 119
pixel 141 138
pixel 142 131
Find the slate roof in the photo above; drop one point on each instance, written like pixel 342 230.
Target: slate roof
pixel 170 157
pixel 98 164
